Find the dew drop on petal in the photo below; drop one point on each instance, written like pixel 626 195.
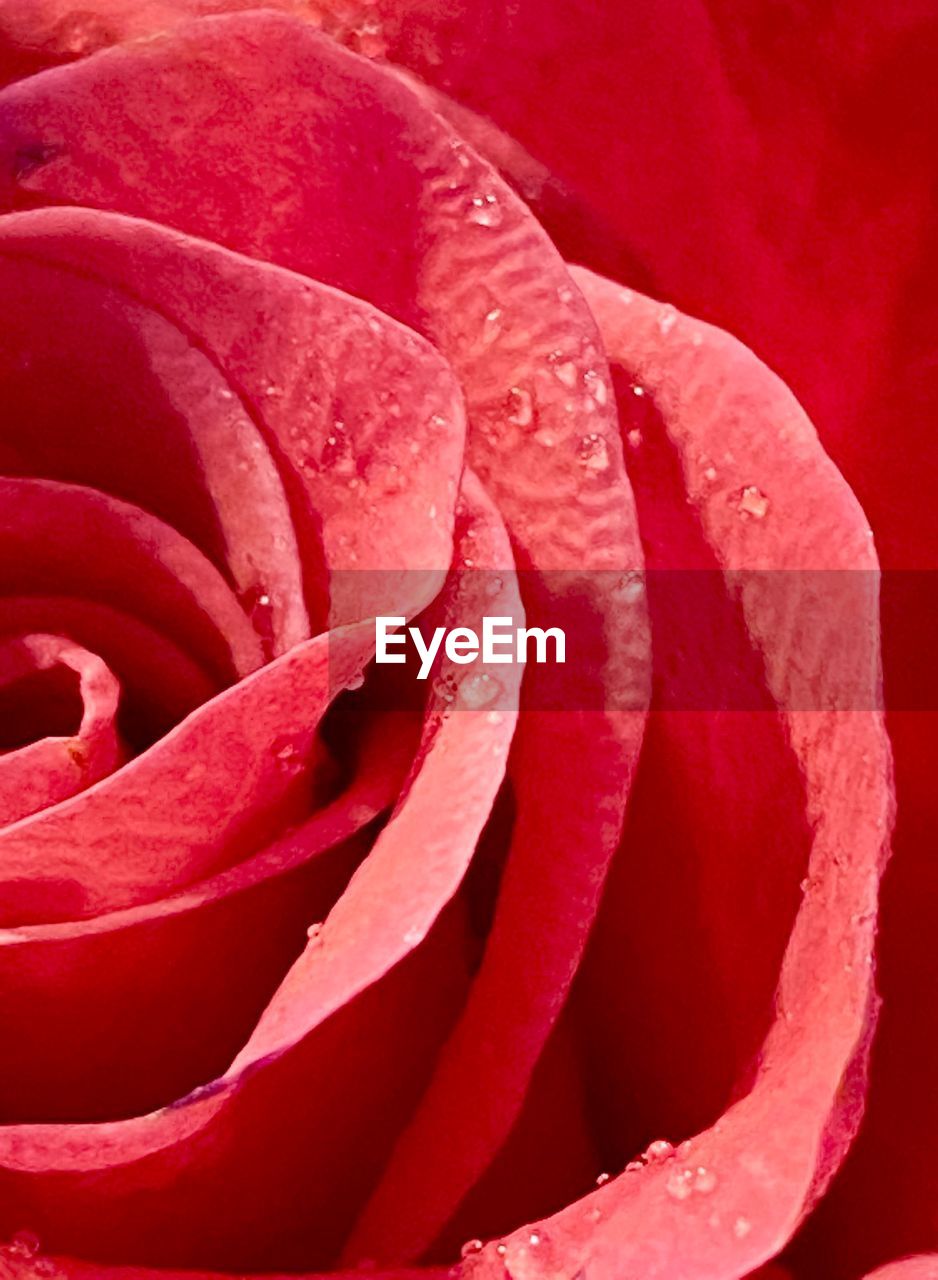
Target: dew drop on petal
pixel 485 210
pixel 479 690
pixel 287 754
pixel 25 1244
pixel 634 438
pixel 659 1150
pixel 753 502
pixel 566 373
pixel 602 1179
pixel 596 386
pixel 470 1247
pixel 520 407
pixel 593 453
pixel 667 318
pixel 741 1228
pixel 680 1184
pixel 491 325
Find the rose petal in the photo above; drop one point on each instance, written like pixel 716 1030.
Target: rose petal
pixel 358 412
pixel 377 963
pixel 338 151
pixel 924 1267
pixel 200 798
pixel 64 987
pixel 67 539
pixel 730 1196
pixel 130 405
pixel 160 682
pixel 51 768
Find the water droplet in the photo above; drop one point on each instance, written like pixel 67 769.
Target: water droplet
pixel 520 407
pixel 753 502
pixel 634 438
pixel 680 1184
pixel 226 394
pixel 659 1150
pixel 494 586
pixel 683 1183
pixel 356 682
pixel 470 1247
pixel 369 39
pixel 534 1239
pixel 667 318
pixel 566 372
pixel 545 438
pixel 273 391
pixel 479 690
pixel 593 453
pixel 485 210
pixel 630 587
pixel 337 451
pixel 603 1179
pixel 633 1166
pixel 431 511
pixel 413 935
pixel 83 34
pixel 258 605
pixel 287 754
pixel 314 931
pixel 637 390
pixel 565 295
pixel 741 1228
pixel 492 325
pixel 596 386
pixel 493 717
pixel 710 474
pixel 25 1244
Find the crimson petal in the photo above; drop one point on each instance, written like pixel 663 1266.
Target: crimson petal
pixel 49 769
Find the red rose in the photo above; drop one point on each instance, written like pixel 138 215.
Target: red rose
pixel 304 966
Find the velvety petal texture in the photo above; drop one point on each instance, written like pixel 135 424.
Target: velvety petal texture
pixel 540 971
